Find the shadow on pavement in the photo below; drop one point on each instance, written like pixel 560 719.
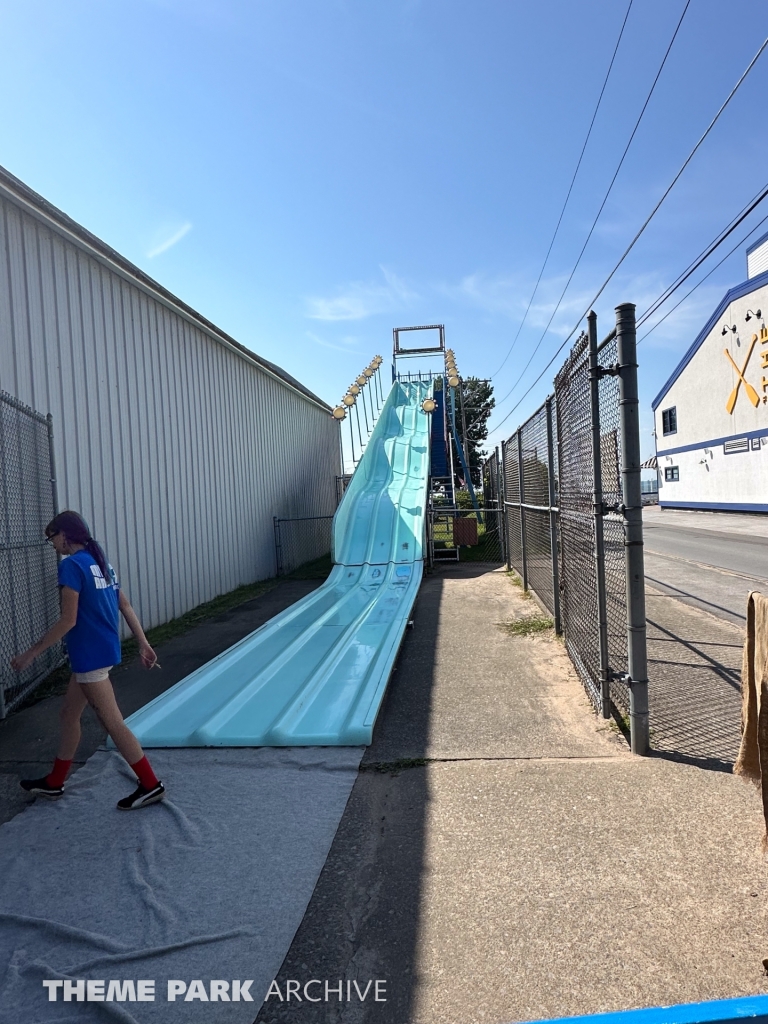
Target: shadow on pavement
pixel 363 920
pixel 694 670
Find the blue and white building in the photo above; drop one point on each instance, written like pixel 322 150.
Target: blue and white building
pixel 711 416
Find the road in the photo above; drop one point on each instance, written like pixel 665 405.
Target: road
pixel 709 560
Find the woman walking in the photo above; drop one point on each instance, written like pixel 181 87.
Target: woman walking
pixel 90 601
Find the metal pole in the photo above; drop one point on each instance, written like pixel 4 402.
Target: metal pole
pixel 521 491
pixel 503 503
pixel 341 453
pixel 365 408
pixel 448 439
pixel 626 343
pixel 597 513
pixel 359 431
pixel 351 438
pixel 278 547
pixel 52 462
pixel 553 518
pixel 464 441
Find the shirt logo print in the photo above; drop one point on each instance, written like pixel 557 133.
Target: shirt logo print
pixel 98 579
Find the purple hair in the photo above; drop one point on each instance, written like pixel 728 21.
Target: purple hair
pixel 77 531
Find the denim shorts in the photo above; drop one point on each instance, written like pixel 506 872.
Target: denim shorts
pixel 95 676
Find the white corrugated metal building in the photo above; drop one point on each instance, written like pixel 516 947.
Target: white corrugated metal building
pixel 711 416
pixel 175 442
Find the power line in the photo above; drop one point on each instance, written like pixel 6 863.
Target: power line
pixel 647 221
pixel 692 267
pixel 602 205
pixel 703 279
pixel 568 196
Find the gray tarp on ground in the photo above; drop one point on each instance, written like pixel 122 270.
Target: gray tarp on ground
pixel 210 884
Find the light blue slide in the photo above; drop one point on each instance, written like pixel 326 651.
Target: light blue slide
pixel 315 674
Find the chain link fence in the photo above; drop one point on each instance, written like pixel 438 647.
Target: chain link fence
pixel 492 479
pixel 613 524
pixel 463 535
pixel 301 540
pixel 573 518
pixel 529 460
pixel 29 596
pixel 592 544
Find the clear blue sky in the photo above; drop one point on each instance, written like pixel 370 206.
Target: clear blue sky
pixel 309 174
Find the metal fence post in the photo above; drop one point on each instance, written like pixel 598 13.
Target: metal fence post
pixel 52 463
pixel 504 503
pixel 278 547
pixel 521 491
pixel 500 498
pixel 553 518
pixel 626 343
pixel 598 512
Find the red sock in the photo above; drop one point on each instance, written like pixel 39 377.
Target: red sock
pixel 58 773
pixel 146 776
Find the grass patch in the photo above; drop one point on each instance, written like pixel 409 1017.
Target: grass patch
pixel 487 549
pixel 319 569
pixel 531 626
pixel 56 682
pixel 517 581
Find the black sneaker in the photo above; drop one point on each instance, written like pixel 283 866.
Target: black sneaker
pixel 142 798
pixel 40 787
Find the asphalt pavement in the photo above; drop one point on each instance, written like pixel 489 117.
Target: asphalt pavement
pixel 708 560
pixel 502 856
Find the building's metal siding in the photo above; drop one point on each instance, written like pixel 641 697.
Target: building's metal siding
pixel 176 448
pixel 757 260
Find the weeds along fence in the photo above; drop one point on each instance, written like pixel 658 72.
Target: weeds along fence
pixel 570 480
pixel 29 602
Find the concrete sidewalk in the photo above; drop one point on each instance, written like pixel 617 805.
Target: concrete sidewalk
pixel 503 857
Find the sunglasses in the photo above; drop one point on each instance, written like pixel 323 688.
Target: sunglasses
pixel 49 537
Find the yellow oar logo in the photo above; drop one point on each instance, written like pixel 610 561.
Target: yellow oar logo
pixel 752 395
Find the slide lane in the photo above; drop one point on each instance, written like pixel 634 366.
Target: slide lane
pixel 315 674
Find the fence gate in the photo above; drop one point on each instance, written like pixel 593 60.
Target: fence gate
pixel 601 560
pixel 573 518
pixel 29 597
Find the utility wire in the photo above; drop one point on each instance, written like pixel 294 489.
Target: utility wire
pixel 703 279
pixel 568 196
pixel 692 267
pixel 645 224
pixel 602 206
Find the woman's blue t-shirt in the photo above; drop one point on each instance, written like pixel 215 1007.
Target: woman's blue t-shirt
pixel 94 640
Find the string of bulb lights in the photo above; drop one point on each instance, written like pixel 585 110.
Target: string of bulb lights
pixel 355 398
pixel 357 390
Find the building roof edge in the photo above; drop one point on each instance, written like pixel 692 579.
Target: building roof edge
pixel 15 189
pixel 757 244
pixel 738 292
